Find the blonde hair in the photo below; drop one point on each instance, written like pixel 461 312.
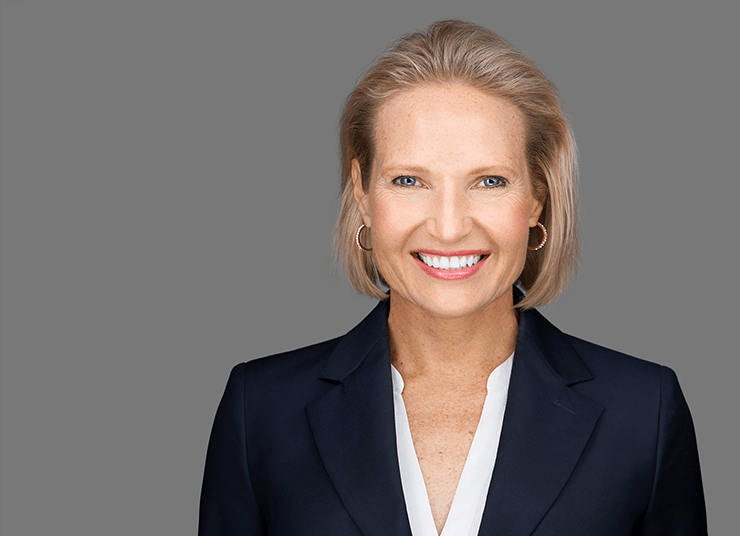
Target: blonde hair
pixel 461 52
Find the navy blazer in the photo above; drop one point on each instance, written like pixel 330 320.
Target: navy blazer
pixel 594 443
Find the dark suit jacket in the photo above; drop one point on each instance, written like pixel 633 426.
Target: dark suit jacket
pixel 594 443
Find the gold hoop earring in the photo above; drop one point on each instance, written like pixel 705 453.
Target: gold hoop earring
pixel 357 239
pixel 544 238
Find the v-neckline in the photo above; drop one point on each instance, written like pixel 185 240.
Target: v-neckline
pixel 469 500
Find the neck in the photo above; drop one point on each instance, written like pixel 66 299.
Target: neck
pixel 423 345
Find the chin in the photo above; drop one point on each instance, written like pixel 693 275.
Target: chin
pixel 454 306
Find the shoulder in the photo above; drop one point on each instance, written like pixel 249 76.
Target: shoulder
pixel 600 359
pixel 285 371
pixel 644 410
pixel 627 381
pixel 643 435
pixel 298 362
pixel 281 382
pixel 605 375
pixel 577 360
pixel 319 366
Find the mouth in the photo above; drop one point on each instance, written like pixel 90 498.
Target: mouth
pixel 450 267
pixel 454 262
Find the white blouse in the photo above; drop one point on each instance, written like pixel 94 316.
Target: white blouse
pixel 467 507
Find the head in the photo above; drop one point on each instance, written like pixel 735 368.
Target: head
pixel 463 55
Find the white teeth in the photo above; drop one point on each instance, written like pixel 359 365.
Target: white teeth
pixel 450 263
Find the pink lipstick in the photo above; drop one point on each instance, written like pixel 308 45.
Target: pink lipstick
pixel 450 265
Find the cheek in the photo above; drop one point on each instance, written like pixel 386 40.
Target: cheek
pixel 510 228
pixel 391 221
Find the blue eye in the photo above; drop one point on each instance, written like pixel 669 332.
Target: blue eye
pixel 405 180
pixel 492 182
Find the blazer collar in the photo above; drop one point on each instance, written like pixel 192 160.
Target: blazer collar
pixel 354 429
pixel 534 330
pixel 538 336
pixel 357 344
pixel 546 427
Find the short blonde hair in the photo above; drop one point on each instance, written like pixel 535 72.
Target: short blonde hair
pixel 461 52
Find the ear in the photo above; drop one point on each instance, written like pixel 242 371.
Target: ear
pixel 359 193
pixel 534 214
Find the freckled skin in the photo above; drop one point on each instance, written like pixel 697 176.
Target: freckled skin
pixel 447 336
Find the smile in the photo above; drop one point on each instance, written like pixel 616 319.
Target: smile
pixel 449 263
pixel 450 267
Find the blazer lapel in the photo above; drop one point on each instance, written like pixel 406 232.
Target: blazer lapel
pixel 546 427
pixel 354 429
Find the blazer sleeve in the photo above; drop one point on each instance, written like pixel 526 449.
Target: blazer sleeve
pixel 676 506
pixel 227 502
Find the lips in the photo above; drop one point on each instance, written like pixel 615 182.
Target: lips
pixel 450 265
pixel 454 262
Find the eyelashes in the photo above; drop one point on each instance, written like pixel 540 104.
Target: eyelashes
pixel 492 181
pixel 487 182
pixel 406 180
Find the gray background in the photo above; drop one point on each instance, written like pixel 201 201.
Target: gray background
pixel 169 186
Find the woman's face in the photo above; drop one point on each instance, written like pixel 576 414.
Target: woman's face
pixel 449 188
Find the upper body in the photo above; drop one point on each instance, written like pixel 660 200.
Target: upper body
pixel 593 442
pixel 458 173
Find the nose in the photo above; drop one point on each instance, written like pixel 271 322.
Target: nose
pixel 449 216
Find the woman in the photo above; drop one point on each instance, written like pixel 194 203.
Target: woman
pixel 454 407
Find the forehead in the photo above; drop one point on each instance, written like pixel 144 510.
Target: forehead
pixel 449 123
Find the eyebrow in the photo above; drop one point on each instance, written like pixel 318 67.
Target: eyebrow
pixel 420 170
